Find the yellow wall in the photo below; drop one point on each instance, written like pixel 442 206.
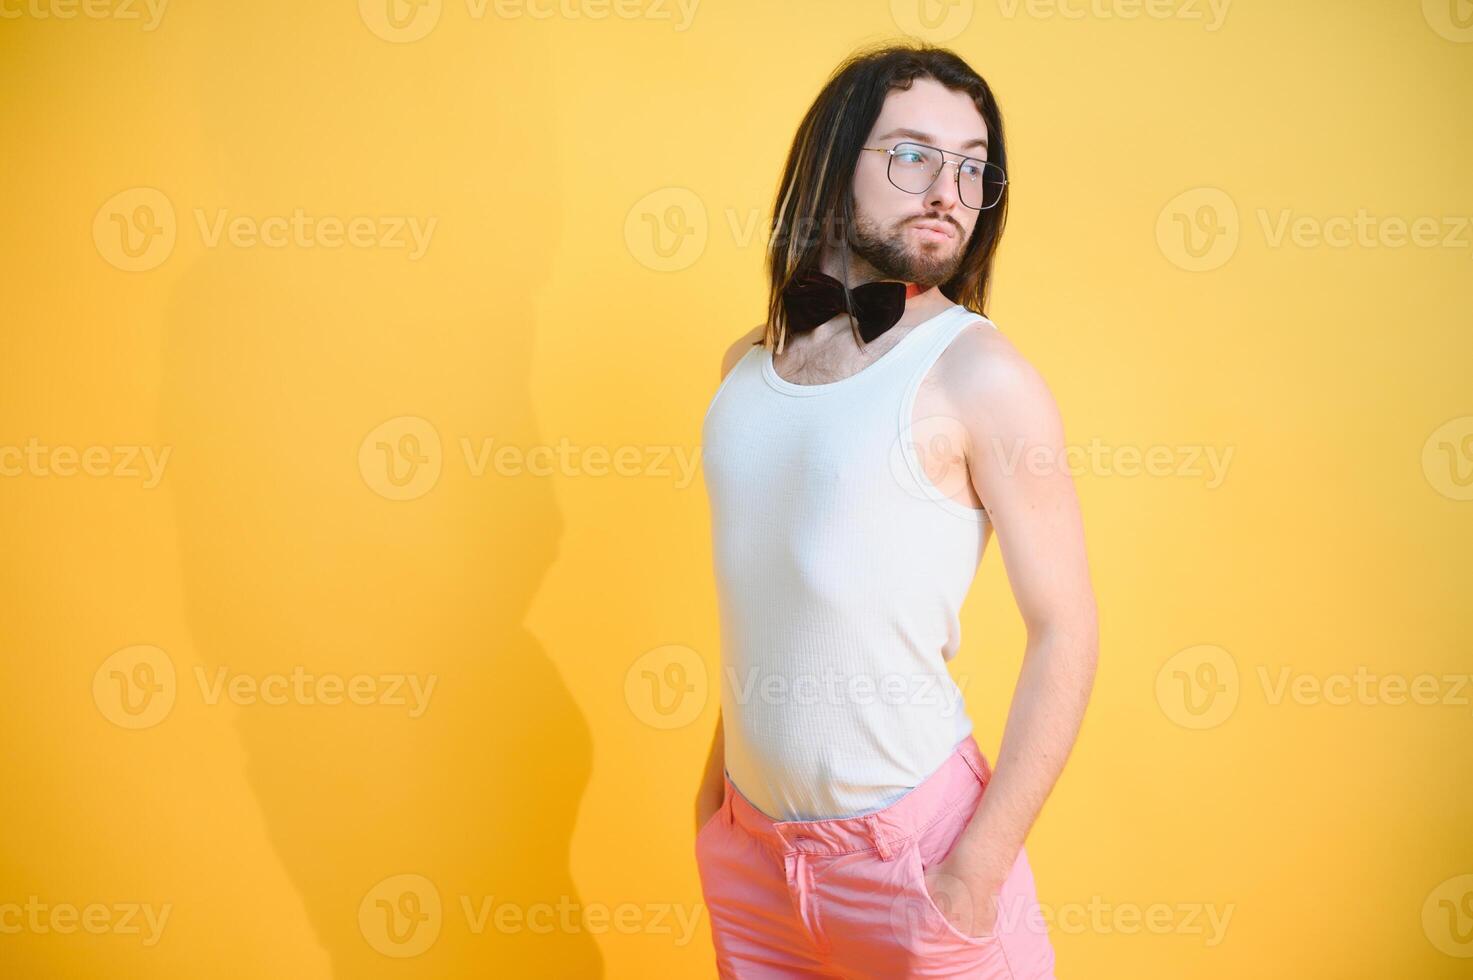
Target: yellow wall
pixel 590 193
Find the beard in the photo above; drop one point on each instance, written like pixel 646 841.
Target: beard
pixel 895 256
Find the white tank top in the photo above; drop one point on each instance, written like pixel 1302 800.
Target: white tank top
pixel 840 572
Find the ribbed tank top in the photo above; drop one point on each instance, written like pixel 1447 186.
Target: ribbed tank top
pixel 840 570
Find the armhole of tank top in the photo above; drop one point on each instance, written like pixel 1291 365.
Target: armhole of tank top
pixel 907 411
pixel 726 381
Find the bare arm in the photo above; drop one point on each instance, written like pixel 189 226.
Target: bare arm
pixel 1015 458
pixel 713 783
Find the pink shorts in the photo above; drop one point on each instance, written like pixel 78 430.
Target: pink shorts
pixel 847 898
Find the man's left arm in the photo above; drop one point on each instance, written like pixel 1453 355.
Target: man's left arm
pixel 1014 438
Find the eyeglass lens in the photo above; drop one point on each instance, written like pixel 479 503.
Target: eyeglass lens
pixel 914 167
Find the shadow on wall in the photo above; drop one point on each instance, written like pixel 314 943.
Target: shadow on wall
pixel 399 821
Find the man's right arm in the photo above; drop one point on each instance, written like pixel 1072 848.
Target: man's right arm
pixel 713 782
pixel 735 351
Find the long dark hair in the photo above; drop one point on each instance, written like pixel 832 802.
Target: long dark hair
pixel 817 190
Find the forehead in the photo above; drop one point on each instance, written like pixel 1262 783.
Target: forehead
pixel 930 108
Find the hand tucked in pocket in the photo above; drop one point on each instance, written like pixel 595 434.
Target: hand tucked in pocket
pixel 966 895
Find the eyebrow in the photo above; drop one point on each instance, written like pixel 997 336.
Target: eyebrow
pixel 916 134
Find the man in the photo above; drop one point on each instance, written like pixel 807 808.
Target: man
pixel 848 825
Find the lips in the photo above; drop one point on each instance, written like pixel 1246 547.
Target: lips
pixel 936 229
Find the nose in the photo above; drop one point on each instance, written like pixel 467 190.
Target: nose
pixel 943 192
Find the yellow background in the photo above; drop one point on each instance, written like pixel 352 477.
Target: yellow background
pixel 600 187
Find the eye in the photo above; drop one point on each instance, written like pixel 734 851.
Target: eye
pixel 972 171
pixel 908 156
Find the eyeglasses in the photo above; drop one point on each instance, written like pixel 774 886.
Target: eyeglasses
pixel 913 168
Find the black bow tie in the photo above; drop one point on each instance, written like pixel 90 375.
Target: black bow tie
pixel 813 298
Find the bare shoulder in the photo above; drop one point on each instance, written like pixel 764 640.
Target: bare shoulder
pixel 985 378
pixel 743 344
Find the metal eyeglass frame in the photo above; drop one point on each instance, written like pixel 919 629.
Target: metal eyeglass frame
pixel 890 152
